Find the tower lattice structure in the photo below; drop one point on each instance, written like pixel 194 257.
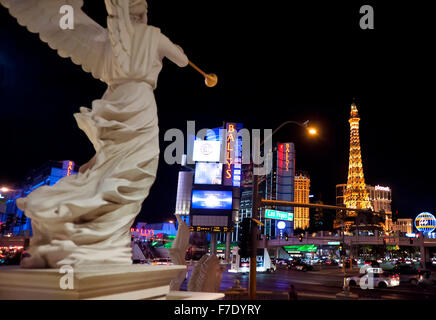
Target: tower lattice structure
pixel 356 195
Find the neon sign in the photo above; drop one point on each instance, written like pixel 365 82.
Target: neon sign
pixel 425 222
pixel 230 155
pixel 287 157
pixel 382 188
pixel 143 232
pixel 70 168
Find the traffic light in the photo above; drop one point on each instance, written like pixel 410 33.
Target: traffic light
pixel 411 240
pixel 300 238
pixel 267 237
pixel 245 248
pixel 341 251
pixel 286 237
pixel 384 241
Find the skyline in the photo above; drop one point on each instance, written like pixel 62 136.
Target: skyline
pixel 45 90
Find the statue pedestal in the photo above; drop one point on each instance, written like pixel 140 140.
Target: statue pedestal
pixel 105 282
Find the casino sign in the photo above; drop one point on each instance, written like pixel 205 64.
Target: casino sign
pixel 425 222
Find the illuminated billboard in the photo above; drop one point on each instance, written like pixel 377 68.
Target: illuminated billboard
pixel 207 151
pixel 425 222
pixel 212 199
pixel 208 173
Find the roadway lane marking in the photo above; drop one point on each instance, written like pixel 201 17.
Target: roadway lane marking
pixel 305 294
pixel 391 298
pixel 305 282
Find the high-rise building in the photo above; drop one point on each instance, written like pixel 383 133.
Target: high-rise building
pixel 381 198
pixel 301 195
pixel 402 225
pixel 278 184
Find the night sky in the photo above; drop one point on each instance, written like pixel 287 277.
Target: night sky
pixel 274 63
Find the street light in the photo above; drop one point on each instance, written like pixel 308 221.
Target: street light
pixel 255 208
pixel 312 131
pixel 4 189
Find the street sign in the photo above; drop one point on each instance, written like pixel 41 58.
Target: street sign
pixel 279 215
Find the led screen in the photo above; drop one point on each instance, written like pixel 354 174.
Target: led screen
pixel 211 199
pixel 208 151
pixel 208 173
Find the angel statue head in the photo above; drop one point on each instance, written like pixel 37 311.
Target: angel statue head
pixel 138 10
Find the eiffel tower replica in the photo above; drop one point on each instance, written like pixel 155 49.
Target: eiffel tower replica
pixel 356 195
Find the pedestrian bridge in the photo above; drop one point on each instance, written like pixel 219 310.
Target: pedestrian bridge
pixel 328 238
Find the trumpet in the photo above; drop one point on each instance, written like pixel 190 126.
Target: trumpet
pixel 210 79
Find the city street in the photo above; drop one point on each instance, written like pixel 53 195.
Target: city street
pixel 323 284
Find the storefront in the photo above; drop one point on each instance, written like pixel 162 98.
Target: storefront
pixel 306 251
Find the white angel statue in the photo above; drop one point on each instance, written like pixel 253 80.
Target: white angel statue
pixel 85 219
pixel 177 252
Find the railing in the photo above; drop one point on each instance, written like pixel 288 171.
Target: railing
pixel 323 239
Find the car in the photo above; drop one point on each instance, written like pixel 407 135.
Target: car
pixel 421 277
pixel 273 268
pixel 300 266
pixel 282 262
pixel 161 261
pixel 381 278
pixel 330 262
pixel 372 263
pixel 408 274
pixel 347 263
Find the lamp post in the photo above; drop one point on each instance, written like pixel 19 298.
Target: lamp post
pixel 256 205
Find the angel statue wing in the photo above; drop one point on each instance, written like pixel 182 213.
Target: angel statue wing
pixel 85 44
pixel 177 252
pixel 180 244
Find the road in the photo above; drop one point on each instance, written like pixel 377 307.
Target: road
pixel 323 284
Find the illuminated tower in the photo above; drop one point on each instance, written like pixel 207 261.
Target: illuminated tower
pixel 356 195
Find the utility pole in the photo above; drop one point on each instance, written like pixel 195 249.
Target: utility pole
pixel 256 205
pixel 254 232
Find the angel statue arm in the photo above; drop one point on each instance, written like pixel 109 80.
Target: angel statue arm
pixel 85 44
pixel 172 51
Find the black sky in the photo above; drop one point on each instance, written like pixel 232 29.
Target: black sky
pixel 274 63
